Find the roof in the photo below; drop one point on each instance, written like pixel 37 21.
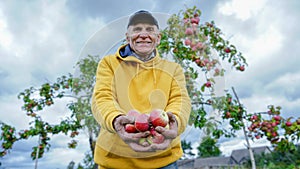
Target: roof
pixel 237 157
pixel 213 161
pixel 243 154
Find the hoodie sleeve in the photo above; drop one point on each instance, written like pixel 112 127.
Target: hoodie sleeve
pixel 179 101
pixel 104 105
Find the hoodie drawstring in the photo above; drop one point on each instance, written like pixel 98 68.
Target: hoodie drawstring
pixel 137 69
pixel 153 71
pixel 154 74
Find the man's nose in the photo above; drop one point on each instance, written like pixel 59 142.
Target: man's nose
pixel 144 34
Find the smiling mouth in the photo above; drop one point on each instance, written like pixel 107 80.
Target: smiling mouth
pixel 143 42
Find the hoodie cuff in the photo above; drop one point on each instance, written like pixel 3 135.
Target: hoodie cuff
pixel 110 124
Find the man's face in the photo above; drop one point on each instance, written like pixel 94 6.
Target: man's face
pixel 143 38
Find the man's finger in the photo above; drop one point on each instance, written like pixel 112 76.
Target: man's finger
pixel 133 137
pixel 162 146
pixel 171 116
pixel 122 120
pixel 140 148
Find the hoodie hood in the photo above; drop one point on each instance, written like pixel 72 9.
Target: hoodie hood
pixel 125 53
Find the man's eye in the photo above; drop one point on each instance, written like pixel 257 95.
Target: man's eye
pixel 137 29
pixel 150 29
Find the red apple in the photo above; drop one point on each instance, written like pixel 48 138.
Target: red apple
pixel 228 115
pixel 288 123
pixel 187 42
pixel 197 61
pixel 130 128
pixel 242 68
pixel 189 31
pixel 274 124
pixel 195 20
pixel 227 50
pixel 142 122
pixel 277 118
pixel 159 117
pixel 254 117
pixel 208 84
pixel 274 134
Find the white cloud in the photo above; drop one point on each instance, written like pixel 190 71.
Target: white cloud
pixel 259 38
pixel 242 9
pixel 234 144
pixel 17 159
pixel 267 43
pixel 260 102
pixel 288 83
pixel 45 44
pixel 5 35
pixel 60 155
pixel 11 112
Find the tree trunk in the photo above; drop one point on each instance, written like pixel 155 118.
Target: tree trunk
pixel 250 149
pixel 246 136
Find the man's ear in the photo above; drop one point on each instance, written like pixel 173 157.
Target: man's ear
pixel 158 39
pixel 127 38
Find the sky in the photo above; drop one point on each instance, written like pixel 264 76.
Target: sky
pixel 42 40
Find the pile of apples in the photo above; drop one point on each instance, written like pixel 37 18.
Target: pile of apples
pixel 148 122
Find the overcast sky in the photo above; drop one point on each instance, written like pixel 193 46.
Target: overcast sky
pixel 43 39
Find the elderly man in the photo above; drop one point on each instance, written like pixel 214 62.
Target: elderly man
pixel 137 78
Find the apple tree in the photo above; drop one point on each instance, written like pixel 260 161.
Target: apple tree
pixel 193 44
pixel 77 91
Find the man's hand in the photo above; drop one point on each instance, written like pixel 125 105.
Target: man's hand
pixel 169 134
pixel 132 139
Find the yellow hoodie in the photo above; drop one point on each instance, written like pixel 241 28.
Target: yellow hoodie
pixel 124 83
